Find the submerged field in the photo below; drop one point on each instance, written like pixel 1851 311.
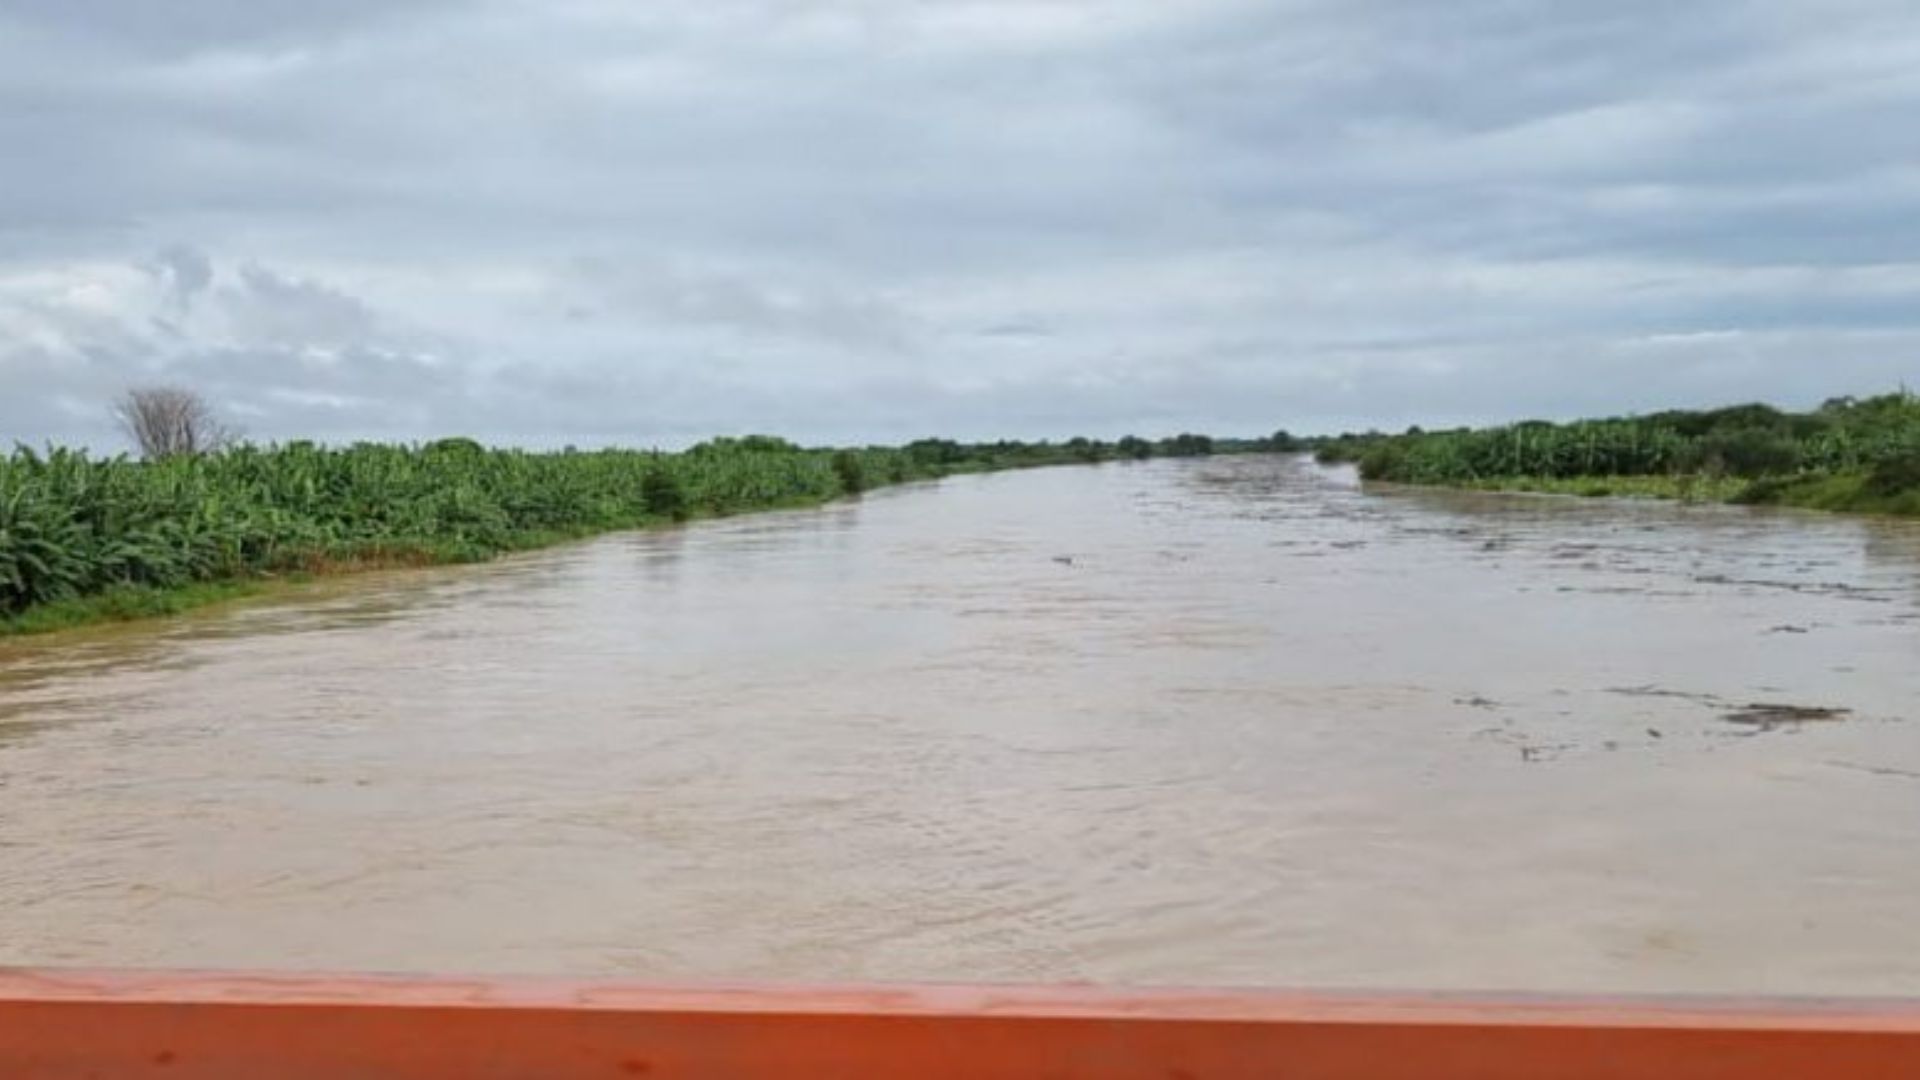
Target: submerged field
pixel 83 538
pixel 1849 455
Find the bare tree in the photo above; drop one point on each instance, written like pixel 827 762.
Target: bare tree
pixel 167 420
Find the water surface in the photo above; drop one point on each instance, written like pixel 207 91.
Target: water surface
pixel 1211 722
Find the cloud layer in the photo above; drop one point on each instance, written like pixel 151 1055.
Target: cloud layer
pixel 594 221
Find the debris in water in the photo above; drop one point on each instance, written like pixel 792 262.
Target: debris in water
pixel 1877 770
pixel 1662 692
pixel 1531 753
pixel 1789 629
pixel 1767 717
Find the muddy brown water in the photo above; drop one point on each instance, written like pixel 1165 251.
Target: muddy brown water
pixel 1216 722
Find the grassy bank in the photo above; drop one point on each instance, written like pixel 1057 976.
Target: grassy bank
pixel 125 603
pixel 85 539
pixel 1685 488
pixel 1857 456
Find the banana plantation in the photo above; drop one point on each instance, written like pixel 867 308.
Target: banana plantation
pixel 73 526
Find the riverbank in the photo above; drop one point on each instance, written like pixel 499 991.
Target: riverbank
pixel 1848 456
pixel 134 603
pixel 1850 493
pixel 86 540
pixel 1672 488
pixel 1853 493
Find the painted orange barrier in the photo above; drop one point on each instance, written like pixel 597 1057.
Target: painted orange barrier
pixel 62 1025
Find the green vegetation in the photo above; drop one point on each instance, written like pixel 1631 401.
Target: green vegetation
pixel 84 539
pixel 1859 455
pixel 1682 488
pixel 125 603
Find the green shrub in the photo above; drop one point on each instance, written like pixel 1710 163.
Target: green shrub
pixel 1895 475
pixel 1749 452
pixel 850 471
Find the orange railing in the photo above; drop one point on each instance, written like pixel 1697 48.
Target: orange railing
pixel 59 1025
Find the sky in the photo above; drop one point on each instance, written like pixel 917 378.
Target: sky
pixel 589 222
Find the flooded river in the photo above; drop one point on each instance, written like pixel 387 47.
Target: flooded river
pixel 1208 722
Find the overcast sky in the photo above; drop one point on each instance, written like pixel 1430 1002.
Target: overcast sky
pixel 596 221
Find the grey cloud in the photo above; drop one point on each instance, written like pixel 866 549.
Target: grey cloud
pixel 596 220
pixel 198 24
pixel 266 306
pixel 781 309
pixel 1018 328
pixel 186 272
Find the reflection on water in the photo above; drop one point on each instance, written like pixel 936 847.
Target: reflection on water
pixel 1229 721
